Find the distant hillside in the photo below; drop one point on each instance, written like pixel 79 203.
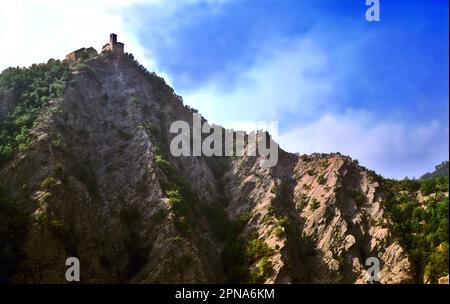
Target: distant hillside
pixel 419 209
pixel 440 170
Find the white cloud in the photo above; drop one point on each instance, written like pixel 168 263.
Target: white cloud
pixel 292 78
pixel 287 79
pixel 393 149
pixel 296 85
pixel 34 31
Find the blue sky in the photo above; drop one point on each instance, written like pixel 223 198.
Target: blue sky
pixel 335 82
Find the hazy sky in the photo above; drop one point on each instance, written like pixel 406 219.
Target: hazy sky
pixel 334 82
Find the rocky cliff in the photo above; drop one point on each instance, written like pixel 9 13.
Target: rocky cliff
pixel 96 182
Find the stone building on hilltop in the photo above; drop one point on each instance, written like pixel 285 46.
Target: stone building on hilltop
pixel 113 45
pixel 84 53
pixel 81 53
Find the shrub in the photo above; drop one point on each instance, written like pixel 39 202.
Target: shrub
pixel 48 183
pixel 437 265
pixel 238 256
pixel 181 208
pixel 428 186
pixel 321 179
pixel 311 172
pixel 283 222
pixel 58 141
pixel 40 218
pixel 22 147
pixel 6 151
pixel 45 198
pixel 163 164
pixel 256 249
pixel 272 210
pixel 244 217
pixel 380 222
pixel 261 271
pixel 314 204
pixel 358 196
pixel 278 231
pixel 325 164
pixel 151 129
pixel 175 199
pixel 275 189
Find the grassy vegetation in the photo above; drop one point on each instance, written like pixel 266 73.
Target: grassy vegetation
pixel 35 87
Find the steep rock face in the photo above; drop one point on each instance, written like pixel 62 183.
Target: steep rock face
pixel 106 206
pixel 323 217
pixel 99 184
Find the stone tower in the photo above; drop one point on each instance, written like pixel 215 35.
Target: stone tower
pixel 113 45
pixel 112 39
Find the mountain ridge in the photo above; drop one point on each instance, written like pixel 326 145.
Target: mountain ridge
pixel 98 182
